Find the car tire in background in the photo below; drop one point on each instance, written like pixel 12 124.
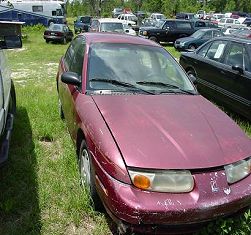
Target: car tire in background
pixel 153 38
pixel 192 47
pixel 64 41
pixel 87 176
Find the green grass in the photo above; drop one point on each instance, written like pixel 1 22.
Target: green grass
pixel 40 191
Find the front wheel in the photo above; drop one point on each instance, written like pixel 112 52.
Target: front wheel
pixel 192 47
pixel 64 41
pixel 153 38
pixel 87 175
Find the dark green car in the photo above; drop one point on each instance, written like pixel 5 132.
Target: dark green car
pixel 196 39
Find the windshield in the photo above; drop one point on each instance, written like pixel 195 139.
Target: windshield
pixel 159 17
pixel 160 24
pixel 197 34
pixel 132 18
pixel 55 27
pixel 111 27
pixel 85 20
pixel 147 67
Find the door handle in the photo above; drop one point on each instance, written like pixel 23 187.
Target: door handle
pixel 222 72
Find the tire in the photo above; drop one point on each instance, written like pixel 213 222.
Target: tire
pixel 153 38
pixel 61 113
pixel 192 47
pixel 12 102
pixel 64 41
pixel 87 176
pixel 47 40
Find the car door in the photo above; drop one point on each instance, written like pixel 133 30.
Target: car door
pixel 205 37
pixel 5 85
pixel 208 68
pixel 235 84
pixel 70 92
pixel 166 33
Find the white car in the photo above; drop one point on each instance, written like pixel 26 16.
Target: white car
pixel 129 30
pixel 230 23
pixel 106 25
pixel 10 37
pixel 129 19
pixel 157 16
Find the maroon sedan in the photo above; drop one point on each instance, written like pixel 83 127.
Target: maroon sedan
pixel 150 148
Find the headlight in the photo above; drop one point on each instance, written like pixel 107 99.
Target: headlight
pixel 182 43
pixel 145 33
pixel 172 181
pixel 237 171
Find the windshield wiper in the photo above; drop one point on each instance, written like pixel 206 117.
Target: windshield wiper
pixel 165 85
pixel 119 83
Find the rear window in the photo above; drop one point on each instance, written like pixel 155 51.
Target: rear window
pixel 183 25
pixel 55 27
pixel 85 19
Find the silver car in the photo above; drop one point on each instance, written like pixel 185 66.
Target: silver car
pixel 10 37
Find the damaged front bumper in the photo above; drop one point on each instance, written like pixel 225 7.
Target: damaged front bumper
pixel 211 197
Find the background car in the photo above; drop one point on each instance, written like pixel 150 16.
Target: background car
pixel 168 30
pixel 196 39
pixel 185 16
pixel 129 30
pixel 10 37
pixel 82 24
pixel 148 22
pixel 222 68
pixel 242 33
pixel 227 31
pixel 58 33
pixel 107 25
pixel 230 23
pixel 150 148
pixel 157 16
pixel 116 12
pixel 129 19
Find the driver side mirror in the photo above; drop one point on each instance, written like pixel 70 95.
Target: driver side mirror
pixel 71 78
pixel 238 68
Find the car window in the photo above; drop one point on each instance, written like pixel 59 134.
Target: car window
pixel 200 24
pixel 207 35
pixel 230 21
pixel 133 63
pixel 69 56
pixel 247 61
pixel 203 50
pixel 169 24
pixel 78 56
pixel 216 50
pixel 235 54
pixel 111 27
pixel 217 33
pixel 183 25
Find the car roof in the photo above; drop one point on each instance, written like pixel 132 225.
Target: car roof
pixel 108 20
pixel 234 39
pixel 209 29
pixel 92 37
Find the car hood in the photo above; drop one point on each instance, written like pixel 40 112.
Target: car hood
pixel 172 131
